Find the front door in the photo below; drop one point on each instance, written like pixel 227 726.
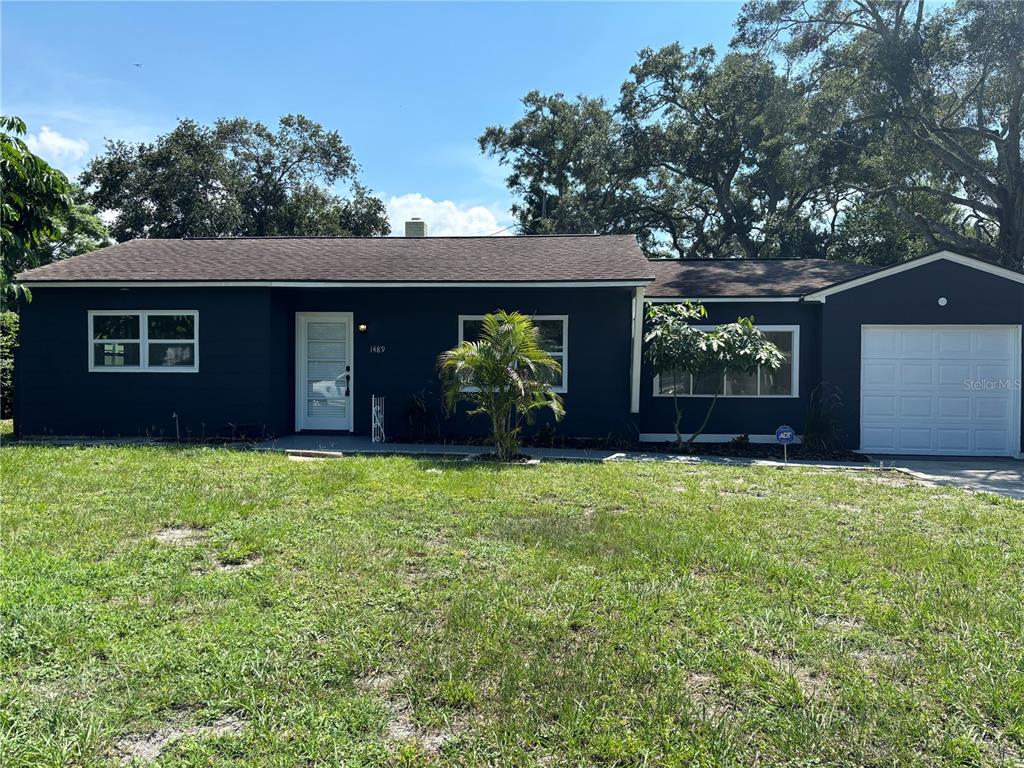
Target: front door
pixel 323 370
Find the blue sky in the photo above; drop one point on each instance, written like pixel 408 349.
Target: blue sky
pixel 409 86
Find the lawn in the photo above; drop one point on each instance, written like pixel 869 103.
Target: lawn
pixel 213 607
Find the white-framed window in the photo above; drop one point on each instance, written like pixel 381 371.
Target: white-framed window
pixel 132 340
pixel 554 338
pixel 783 382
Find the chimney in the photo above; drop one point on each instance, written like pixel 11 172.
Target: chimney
pixel 416 227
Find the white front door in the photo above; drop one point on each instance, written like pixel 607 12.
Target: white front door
pixel 942 390
pixel 323 370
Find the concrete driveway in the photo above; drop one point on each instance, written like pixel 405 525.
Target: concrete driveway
pixel 1001 476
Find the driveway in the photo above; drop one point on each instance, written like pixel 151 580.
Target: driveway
pixel 1001 476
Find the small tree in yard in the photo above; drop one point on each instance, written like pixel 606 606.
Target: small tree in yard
pixel 674 346
pixel 505 375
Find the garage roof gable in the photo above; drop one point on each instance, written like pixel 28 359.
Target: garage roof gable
pixel 967 261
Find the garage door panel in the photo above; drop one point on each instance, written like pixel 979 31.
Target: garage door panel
pixel 882 345
pixel 915 407
pixel 917 374
pixel 954 407
pixel 879 373
pixel 880 406
pixel 882 437
pixel 915 439
pixel 958 440
pixel 919 393
pixel 993 345
pixel 917 344
pixel 992 440
pixel 954 343
pixel 993 372
pixel 997 408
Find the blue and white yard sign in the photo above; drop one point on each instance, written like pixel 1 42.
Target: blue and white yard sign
pixel 785 435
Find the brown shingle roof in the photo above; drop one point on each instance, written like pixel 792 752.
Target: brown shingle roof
pixel 713 278
pixel 354 259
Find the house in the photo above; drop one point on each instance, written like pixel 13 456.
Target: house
pixel 202 337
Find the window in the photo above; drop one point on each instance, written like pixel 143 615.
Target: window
pixel 783 382
pixel 554 338
pixel 158 340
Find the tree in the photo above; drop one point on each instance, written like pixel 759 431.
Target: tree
pixel 505 375
pixel 77 229
pixel 676 346
pixel 701 157
pixel 34 197
pixel 569 167
pixel 236 177
pixel 933 103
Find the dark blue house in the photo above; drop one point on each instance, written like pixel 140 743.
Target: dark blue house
pixel 268 336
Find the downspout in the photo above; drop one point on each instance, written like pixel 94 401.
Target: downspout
pixel 638 342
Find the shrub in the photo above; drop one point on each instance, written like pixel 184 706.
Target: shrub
pixel 822 427
pixel 505 375
pixel 8 343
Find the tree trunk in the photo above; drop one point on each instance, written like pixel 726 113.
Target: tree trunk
pixel 707 416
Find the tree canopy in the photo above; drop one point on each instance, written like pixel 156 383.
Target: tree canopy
pixel 236 177
pixel 858 129
pixel 35 197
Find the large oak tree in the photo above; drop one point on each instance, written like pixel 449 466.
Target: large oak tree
pixel 236 177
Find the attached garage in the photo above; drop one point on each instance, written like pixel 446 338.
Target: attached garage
pixel 927 357
pixel 940 390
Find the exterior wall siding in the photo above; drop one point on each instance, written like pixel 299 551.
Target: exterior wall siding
pixel 909 298
pixel 415 325
pixel 55 393
pixel 247 356
pixel 742 415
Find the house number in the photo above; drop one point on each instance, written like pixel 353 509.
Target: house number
pixel 377 349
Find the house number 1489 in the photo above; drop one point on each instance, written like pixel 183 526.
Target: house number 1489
pixel 377 349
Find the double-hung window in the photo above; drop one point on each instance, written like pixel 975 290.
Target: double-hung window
pixel 144 340
pixel 782 382
pixel 554 339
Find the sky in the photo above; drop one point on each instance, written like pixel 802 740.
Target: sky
pixel 410 86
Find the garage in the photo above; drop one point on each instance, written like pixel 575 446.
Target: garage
pixel 950 390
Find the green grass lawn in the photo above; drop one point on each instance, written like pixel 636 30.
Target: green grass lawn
pixel 211 607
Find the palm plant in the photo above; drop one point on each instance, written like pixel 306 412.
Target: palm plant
pixel 505 374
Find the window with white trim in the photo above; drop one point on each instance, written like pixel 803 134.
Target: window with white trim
pixel 144 340
pixel 782 382
pixel 554 339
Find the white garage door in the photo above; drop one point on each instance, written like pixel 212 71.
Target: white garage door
pixel 944 390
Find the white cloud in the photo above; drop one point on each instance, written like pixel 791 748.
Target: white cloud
pixel 443 217
pixel 55 147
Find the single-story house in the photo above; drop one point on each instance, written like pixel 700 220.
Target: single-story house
pixel 224 336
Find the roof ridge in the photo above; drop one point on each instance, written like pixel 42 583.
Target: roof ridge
pixel 369 237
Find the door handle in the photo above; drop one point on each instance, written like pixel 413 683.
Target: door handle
pixel 348 377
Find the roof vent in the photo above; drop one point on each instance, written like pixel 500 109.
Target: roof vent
pixel 416 227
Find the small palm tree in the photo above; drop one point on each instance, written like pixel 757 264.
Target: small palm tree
pixel 505 374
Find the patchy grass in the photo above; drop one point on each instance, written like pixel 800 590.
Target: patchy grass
pixel 200 606
pixel 6 428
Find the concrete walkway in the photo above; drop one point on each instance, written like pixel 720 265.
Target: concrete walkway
pixel 1000 476
pixel 334 445
pixel 1004 477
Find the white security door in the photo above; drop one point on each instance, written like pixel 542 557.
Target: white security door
pixel 941 390
pixel 323 370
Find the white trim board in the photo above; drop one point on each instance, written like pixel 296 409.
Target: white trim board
pixel 725 300
pixel 636 358
pixel 143 341
pixel 956 258
pixel 669 437
pixel 332 284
